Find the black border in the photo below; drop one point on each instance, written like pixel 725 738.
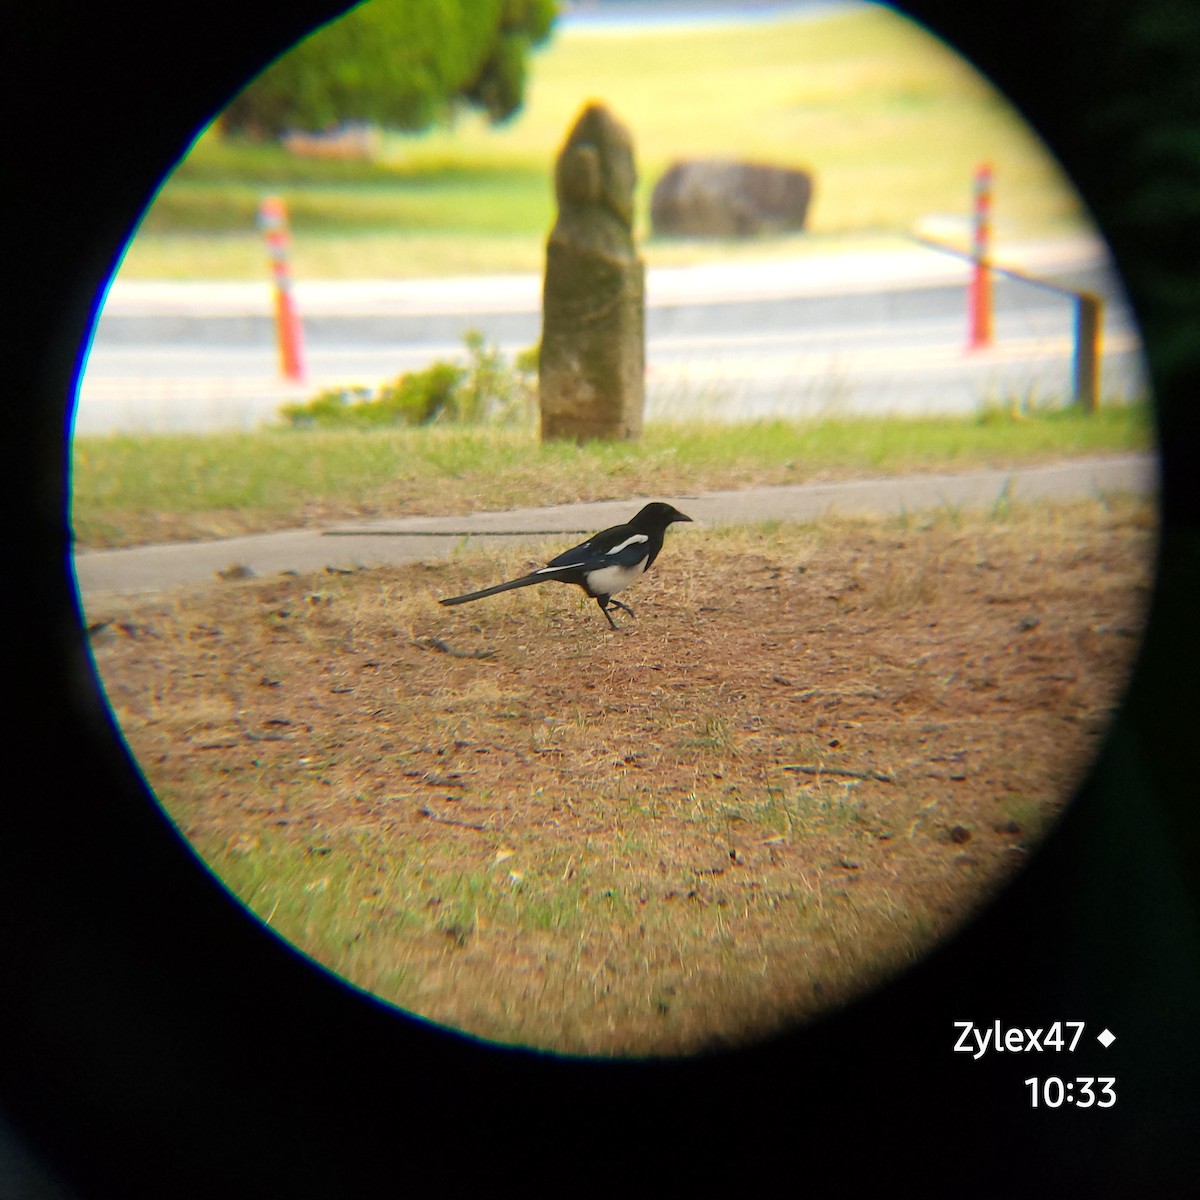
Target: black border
pixel 155 1040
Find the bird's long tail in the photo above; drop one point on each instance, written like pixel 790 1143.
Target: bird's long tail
pixel 524 581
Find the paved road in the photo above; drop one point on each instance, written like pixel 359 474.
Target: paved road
pixel 800 337
pixel 104 575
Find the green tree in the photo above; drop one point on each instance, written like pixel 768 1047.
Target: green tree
pixel 402 64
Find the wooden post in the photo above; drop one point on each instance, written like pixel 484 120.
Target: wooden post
pixel 979 296
pixel 272 216
pixel 1088 310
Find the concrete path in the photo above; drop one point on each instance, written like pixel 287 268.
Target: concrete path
pixel 145 569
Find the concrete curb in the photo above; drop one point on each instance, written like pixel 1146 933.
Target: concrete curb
pixel 898 264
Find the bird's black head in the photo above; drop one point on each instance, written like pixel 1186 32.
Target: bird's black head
pixel 659 515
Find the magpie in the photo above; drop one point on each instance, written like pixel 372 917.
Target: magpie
pixel 603 565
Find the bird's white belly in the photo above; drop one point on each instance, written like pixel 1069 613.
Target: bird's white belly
pixel 607 581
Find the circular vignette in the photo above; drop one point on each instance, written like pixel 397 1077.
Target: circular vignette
pixel 162 1039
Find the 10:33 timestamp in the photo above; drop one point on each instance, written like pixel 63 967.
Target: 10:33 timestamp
pixel 1083 1092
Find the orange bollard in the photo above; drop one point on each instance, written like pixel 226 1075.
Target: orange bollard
pixel 272 216
pixel 979 295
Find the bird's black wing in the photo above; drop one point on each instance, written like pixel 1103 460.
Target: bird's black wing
pixel 620 546
pixel 574 556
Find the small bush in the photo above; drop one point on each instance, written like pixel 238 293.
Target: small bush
pixel 493 392
pixel 485 391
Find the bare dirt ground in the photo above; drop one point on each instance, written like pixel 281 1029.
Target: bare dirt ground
pixel 816 751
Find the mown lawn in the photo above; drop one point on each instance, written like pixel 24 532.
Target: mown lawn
pixel 130 490
pixel 890 120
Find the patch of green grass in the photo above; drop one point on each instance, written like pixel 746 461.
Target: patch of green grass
pixel 714 734
pixel 516 201
pixel 889 119
pixel 1002 508
pixel 137 488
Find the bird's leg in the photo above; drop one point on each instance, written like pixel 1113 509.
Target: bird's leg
pixel 620 605
pixel 604 602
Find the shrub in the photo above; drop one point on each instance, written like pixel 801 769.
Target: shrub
pixel 400 65
pixel 485 391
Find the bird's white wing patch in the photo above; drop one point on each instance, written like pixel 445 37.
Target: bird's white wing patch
pixel 607 581
pixel 632 540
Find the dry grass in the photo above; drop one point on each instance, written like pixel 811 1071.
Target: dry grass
pixel 815 751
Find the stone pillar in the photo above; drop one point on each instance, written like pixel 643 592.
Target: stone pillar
pixel 591 368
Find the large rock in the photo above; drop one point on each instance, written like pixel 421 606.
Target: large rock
pixel 591 368
pixel 723 198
